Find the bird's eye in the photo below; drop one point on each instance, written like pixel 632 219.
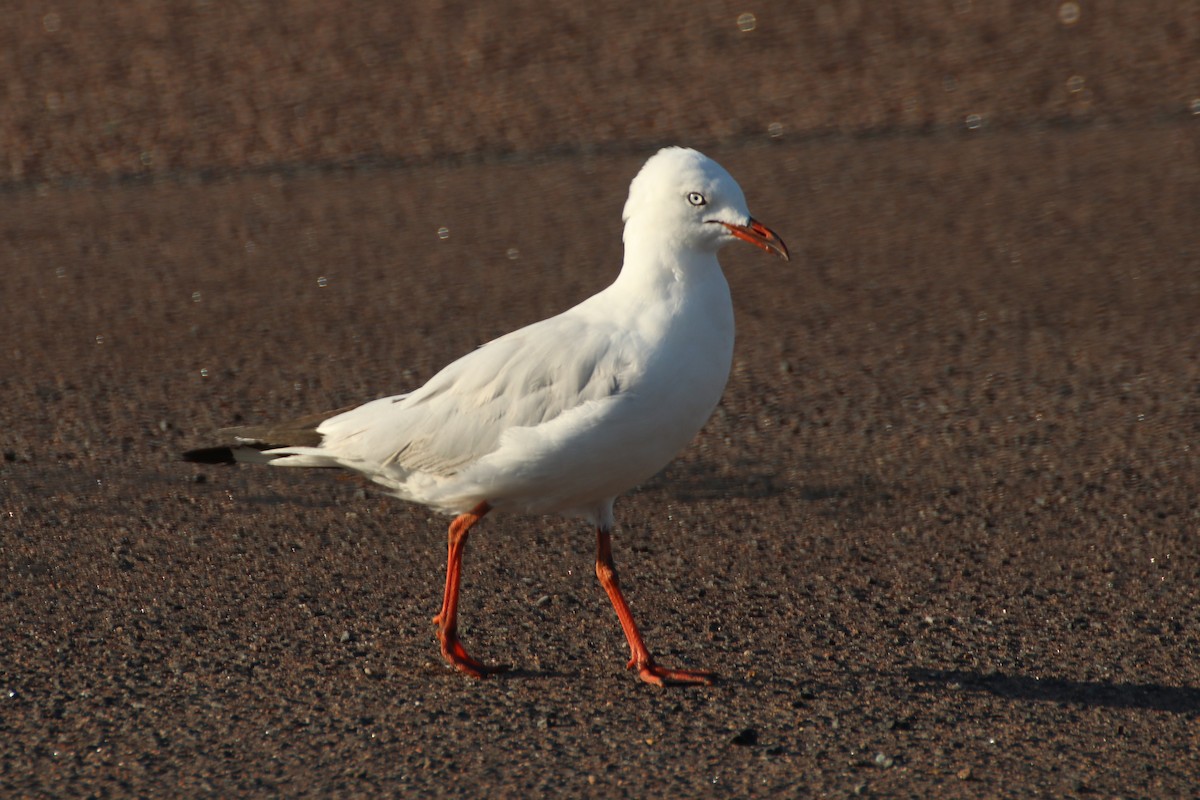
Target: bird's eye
pixel 696 199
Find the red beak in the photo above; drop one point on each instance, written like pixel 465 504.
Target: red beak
pixel 760 236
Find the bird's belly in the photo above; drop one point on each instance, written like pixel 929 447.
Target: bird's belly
pixel 600 450
pixel 577 462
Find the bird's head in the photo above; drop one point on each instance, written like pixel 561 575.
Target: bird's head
pixel 689 201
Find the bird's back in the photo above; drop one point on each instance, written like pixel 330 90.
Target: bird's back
pixel 531 426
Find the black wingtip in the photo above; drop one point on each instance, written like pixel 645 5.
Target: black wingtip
pixel 210 455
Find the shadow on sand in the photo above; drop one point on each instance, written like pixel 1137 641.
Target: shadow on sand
pixel 1150 696
pixel 753 480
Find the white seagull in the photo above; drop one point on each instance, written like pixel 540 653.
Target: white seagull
pixel 564 415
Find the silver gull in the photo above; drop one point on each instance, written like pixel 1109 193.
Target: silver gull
pixel 561 416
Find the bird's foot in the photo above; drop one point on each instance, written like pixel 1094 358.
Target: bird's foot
pixel 650 672
pixel 460 659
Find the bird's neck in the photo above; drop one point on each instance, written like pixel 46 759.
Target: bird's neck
pixel 656 268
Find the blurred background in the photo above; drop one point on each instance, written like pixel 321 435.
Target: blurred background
pixel 939 538
pixel 143 88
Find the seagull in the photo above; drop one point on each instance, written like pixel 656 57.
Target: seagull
pixel 564 415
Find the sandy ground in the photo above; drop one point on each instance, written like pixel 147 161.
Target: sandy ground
pixel 939 540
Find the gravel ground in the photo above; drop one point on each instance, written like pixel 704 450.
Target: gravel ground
pixel 939 539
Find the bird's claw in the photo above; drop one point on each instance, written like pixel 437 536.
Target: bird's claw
pixel 460 659
pixel 657 675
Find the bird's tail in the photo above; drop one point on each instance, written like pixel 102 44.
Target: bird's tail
pixel 254 444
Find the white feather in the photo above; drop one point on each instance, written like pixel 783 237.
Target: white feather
pixel 565 414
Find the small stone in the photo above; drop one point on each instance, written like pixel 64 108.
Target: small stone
pixel 747 738
pixel 964 774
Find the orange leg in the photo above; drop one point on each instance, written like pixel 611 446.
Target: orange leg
pixel 447 618
pixel 640 657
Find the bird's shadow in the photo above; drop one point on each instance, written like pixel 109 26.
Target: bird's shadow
pixel 704 481
pixel 525 674
pixel 1148 696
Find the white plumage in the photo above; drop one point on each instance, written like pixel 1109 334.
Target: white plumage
pixel 562 416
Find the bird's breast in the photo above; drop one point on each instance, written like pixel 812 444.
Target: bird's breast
pixel 688 353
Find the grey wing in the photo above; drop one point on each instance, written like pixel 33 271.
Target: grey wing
pixel 523 379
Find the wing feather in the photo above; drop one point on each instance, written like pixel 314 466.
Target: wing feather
pixel 517 381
